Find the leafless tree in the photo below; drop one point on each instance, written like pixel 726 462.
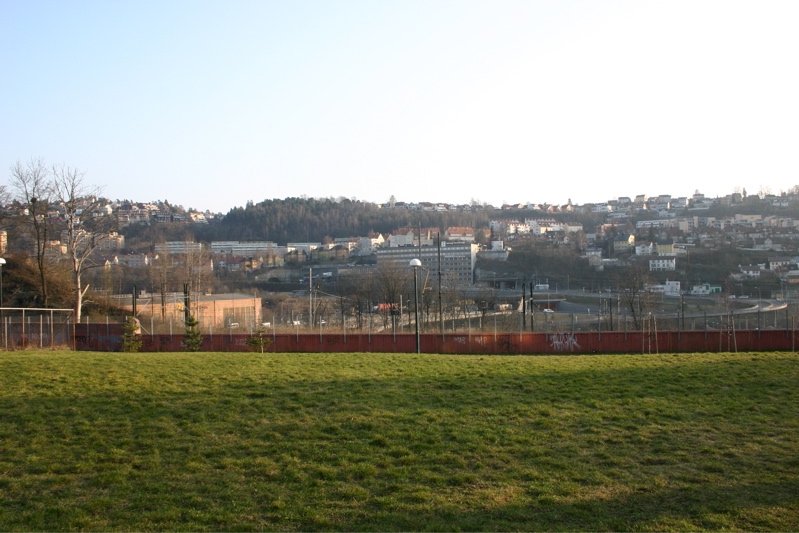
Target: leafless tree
pixel 486 299
pixel 357 289
pixel 635 298
pixel 86 224
pixel 197 268
pixel 5 206
pixel 391 282
pixel 33 191
pixel 162 278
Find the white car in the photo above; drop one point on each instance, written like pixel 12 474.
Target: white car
pixel 548 311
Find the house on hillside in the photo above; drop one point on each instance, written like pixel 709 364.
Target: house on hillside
pixel 460 234
pixel 750 271
pixel 662 264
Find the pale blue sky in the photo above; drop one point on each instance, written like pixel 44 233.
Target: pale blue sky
pixel 210 104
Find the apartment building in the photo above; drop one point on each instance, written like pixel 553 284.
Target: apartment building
pixel 457 259
pixel 250 248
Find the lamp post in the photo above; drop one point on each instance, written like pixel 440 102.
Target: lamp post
pixel 415 263
pixel 2 314
pixel 2 262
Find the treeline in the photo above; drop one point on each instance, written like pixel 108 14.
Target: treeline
pixel 304 220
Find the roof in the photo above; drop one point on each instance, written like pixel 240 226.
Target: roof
pixel 226 296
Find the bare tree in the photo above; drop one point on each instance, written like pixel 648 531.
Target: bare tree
pixel 197 267
pixel 5 201
pixel 633 282
pixel 358 290
pixel 391 282
pixel 162 278
pixel 32 190
pixel 86 224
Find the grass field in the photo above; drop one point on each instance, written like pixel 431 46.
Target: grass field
pixel 365 442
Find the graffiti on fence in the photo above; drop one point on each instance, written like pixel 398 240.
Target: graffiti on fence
pixel 460 340
pixel 105 340
pixel 562 342
pixel 505 345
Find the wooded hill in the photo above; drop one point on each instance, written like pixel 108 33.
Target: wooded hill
pixel 303 220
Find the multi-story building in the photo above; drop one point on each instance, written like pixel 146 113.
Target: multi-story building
pixel 243 248
pixel 178 247
pixel 668 263
pixel 112 241
pixel 457 259
pixel 134 260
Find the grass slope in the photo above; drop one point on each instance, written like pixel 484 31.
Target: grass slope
pixel 232 441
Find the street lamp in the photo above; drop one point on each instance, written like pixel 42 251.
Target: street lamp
pixel 2 314
pixel 2 262
pixel 415 263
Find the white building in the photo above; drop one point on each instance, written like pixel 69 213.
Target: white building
pixel 669 288
pixel 178 247
pixel 368 245
pixel 662 264
pixel 244 249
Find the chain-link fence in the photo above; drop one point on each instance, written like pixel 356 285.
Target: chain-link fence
pixel 36 328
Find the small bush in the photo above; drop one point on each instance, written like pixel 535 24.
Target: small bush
pixel 131 335
pixel 258 341
pixel 193 338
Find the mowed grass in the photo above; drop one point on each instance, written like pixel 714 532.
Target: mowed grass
pixel 387 442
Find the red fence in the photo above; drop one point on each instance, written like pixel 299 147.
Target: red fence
pixel 103 337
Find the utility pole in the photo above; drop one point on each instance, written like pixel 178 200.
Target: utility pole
pixel 610 311
pixel 186 303
pixel 440 305
pixel 524 308
pixel 682 309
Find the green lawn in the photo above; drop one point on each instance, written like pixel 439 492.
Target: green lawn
pixel 386 442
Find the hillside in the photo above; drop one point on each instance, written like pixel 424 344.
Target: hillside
pixel 302 220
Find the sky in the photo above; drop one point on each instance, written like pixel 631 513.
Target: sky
pixel 211 104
